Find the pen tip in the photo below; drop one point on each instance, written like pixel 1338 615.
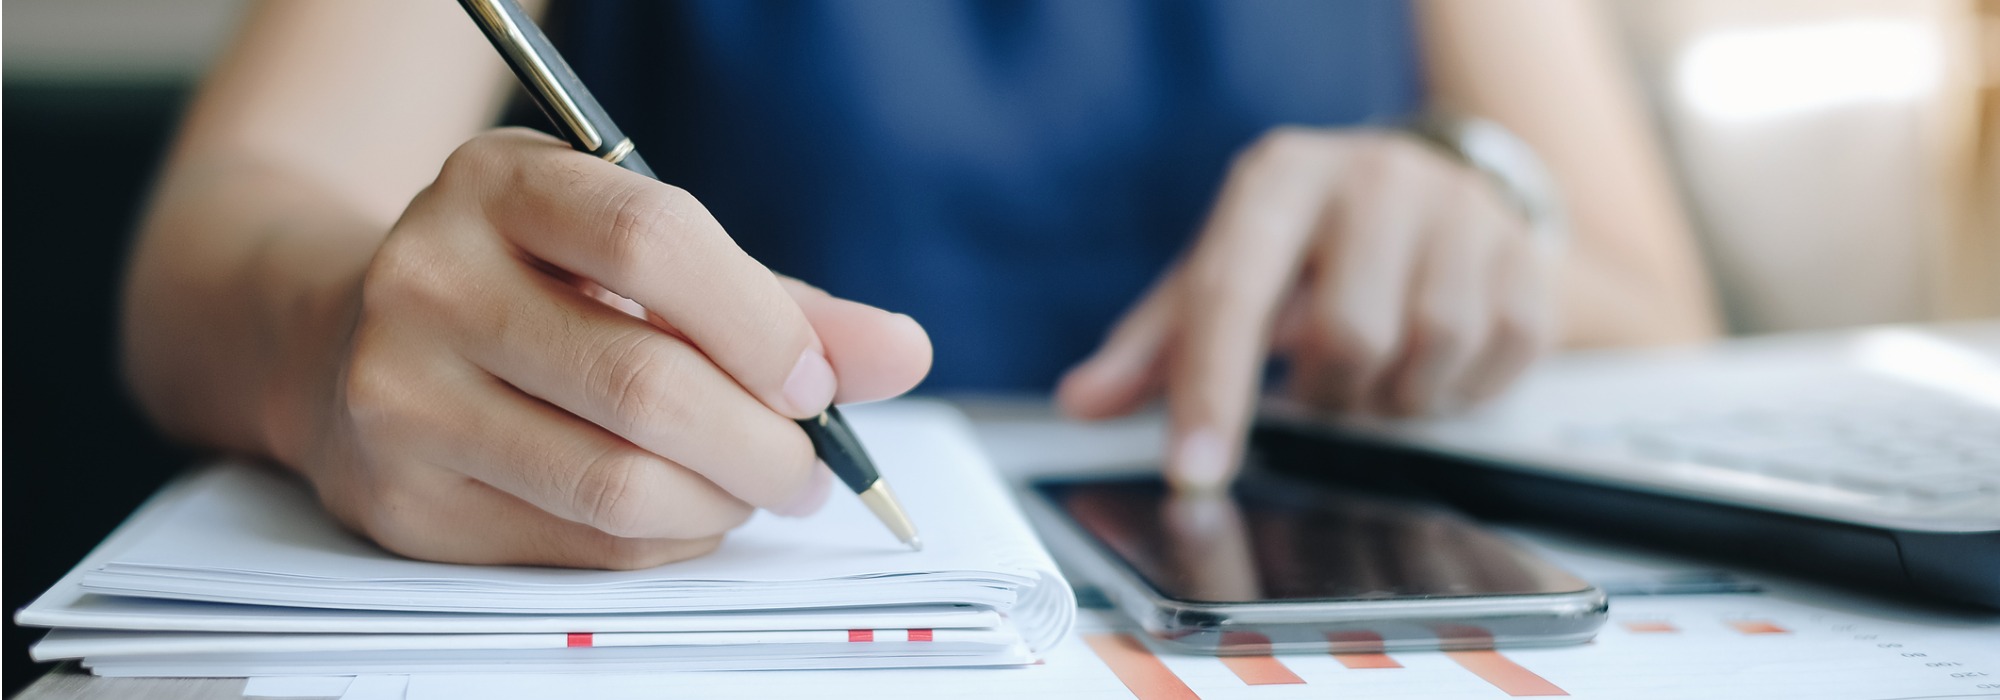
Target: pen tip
pixel 916 544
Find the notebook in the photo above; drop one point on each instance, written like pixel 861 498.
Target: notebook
pixel 234 570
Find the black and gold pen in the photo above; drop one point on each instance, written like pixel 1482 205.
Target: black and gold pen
pixel 587 128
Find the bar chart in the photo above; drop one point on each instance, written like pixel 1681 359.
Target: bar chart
pixel 1715 647
pixel 1725 646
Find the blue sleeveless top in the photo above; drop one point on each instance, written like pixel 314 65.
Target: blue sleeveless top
pixel 1012 173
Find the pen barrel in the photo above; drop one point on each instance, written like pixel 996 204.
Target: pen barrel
pixel 576 115
pixel 634 163
pixel 836 444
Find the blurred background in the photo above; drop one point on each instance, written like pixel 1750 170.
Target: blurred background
pixel 1840 159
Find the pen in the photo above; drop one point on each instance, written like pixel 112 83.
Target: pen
pixel 584 124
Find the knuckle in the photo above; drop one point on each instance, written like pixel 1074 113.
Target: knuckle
pixel 622 553
pixel 1442 331
pixel 1404 164
pixel 639 376
pixel 1344 339
pixel 373 392
pixel 606 495
pixel 611 497
pixel 1398 168
pixel 407 273
pixel 645 226
pixel 1287 147
pixel 483 154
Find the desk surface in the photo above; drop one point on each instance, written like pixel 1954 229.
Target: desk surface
pixel 68 682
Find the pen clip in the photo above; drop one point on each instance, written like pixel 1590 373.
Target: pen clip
pixel 550 79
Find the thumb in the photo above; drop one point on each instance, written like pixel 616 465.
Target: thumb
pixel 875 354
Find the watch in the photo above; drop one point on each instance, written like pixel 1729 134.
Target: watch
pixel 1510 162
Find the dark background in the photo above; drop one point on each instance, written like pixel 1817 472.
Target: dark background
pixel 77 455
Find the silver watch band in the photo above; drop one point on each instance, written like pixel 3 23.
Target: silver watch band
pixel 1491 149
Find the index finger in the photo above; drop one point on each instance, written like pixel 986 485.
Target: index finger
pixel 657 245
pixel 1239 270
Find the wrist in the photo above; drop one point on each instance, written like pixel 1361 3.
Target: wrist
pixel 309 294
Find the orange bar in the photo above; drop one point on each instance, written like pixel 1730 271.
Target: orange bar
pixel 1650 626
pixel 1504 674
pixel 1136 667
pixel 1256 667
pixel 1360 659
pixel 1758 627
pixel 1366 661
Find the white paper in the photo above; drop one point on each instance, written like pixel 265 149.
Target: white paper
pixel 259 529
pixel 1849 651
pixel 560 661
pixel 376 688
pixel 240 550
pixel 66 605
pixel 1067 671
pixel 71 644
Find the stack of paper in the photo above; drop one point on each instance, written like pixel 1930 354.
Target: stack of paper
pixel 235 571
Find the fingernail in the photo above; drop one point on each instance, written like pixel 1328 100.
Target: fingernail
pixel 810 386
pixel 812 497
pixel 1201 463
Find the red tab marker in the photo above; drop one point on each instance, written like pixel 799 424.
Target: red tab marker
pixel 861 635
pixel 920 635
pixel 579 639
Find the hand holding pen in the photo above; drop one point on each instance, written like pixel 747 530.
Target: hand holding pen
pixel 549 359
pixel 582 121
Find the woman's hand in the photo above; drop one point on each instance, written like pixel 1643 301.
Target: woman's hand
pixel 1394 280
pixel 550 360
